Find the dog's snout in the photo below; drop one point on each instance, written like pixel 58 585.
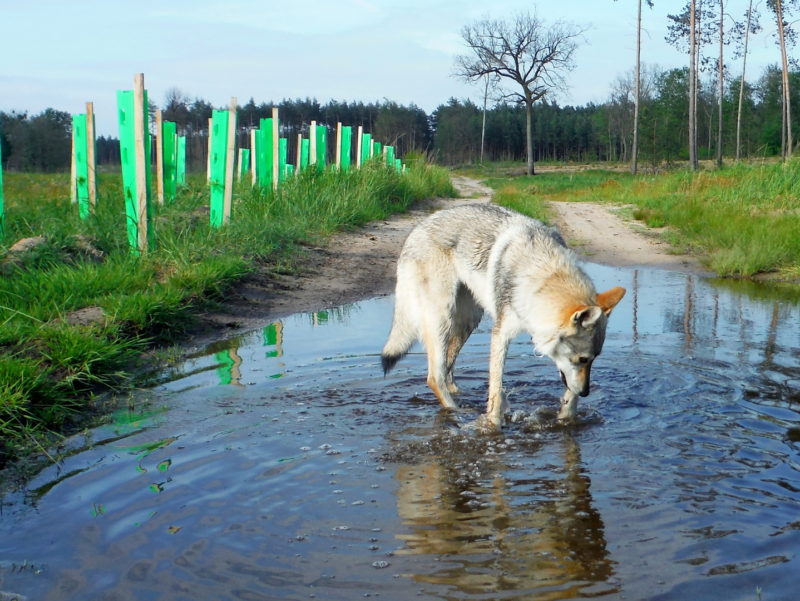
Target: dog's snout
pixel 585 389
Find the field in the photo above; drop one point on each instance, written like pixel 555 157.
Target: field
pixel 77 311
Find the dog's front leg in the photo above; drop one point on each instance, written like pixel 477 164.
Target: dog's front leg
pixel 497 405
pixel 569 406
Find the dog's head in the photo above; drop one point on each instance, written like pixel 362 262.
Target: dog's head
pixel 579 339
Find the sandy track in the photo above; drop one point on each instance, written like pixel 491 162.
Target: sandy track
pixel 599 234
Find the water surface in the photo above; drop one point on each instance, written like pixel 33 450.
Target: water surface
pixel 283 465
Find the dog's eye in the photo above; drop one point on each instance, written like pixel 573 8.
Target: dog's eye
pixel 583 360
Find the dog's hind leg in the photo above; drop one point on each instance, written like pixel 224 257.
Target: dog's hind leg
pixel 467 314
pixel 437 297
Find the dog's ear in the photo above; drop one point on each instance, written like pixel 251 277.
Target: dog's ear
pixel 608 300
pixel 586 316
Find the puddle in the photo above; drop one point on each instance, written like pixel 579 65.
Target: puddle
pixel 283 465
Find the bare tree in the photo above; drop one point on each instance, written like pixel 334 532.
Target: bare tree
pixel 720 80
pixel 751 26
pixel 637 93
pixel 523 51
pixel 778 7
pixel 687 25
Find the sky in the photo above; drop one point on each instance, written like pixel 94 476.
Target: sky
pixel 59 54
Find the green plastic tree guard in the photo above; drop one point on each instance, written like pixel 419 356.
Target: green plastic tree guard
pixel 347 141
pixel 322 146
pixel 305 148
pixel 180 162
pixel 366 146
pixel 81 165
pixel 127 142
pixel 170 147
pixel 219 147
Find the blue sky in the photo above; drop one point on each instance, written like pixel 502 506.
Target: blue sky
pixel 60 54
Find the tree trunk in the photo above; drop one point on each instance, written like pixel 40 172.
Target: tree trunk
pixel 529 134
pixel 693 163
pixel 741 85
pixel 721 84
pixel 637 92
pixel 787 108
pixel 483 125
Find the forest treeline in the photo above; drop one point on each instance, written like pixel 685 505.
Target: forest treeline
pixel 452 133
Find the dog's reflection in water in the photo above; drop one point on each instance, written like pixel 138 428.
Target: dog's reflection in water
pixel 489 528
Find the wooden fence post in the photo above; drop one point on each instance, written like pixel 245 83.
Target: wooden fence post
pixel 91 156
pixel 230 161
pixel 208 158
pixel 338 152
pixel 135 158
pixel 276 150
pixel 359 136
pixel 312 143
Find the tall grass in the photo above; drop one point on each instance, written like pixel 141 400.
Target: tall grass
pixel 52 363
pixel 742 220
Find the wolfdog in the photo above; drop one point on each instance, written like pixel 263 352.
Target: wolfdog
pixel 462 261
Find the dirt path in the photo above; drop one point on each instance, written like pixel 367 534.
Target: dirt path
pixel 360 264
pixel 599 234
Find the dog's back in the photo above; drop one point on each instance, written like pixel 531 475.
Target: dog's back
pixel 451 249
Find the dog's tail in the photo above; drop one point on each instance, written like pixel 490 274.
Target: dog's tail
pixel 400 340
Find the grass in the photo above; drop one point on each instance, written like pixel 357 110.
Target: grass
pixel 53 362
pixel 741 221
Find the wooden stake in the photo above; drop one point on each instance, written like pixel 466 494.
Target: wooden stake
pixel 312 141
pixel 230 161
pixel 253 156
pixel 275 149
pixel 358 145
pixel 90 156
pixel 159 157
pixel 338 144
pixel 208 169
pixel 139 126
pixel 73 174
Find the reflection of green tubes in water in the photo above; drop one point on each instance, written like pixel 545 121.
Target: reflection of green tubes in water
pixel 229 367
pixel 273 336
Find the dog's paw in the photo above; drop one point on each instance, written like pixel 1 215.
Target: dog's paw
pixel 489 423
